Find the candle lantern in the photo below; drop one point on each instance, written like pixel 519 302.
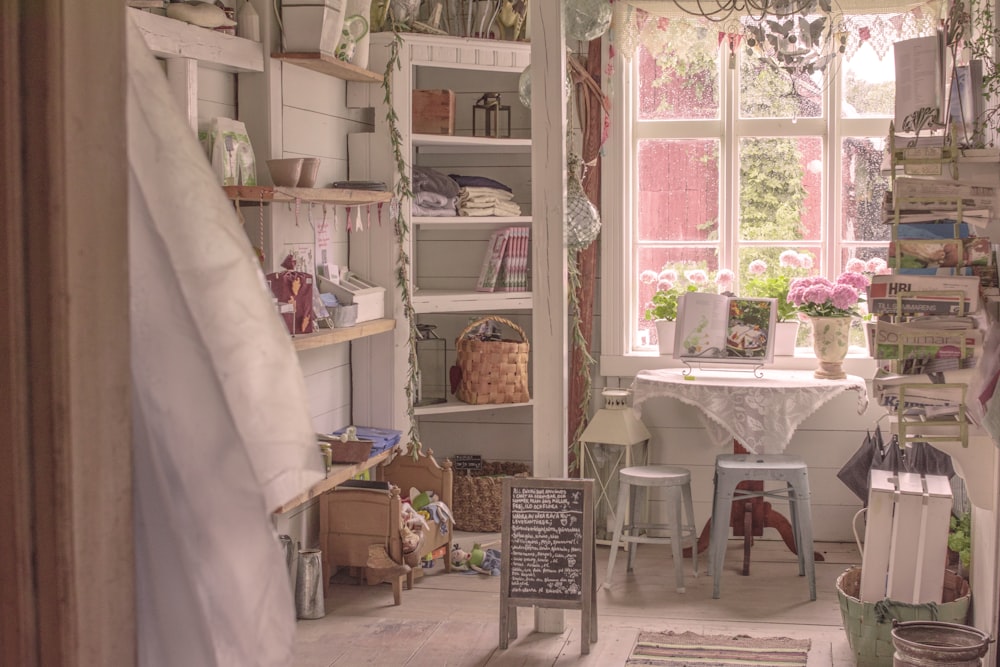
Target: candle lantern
pixel 432 371
pixel 489 106
pixel 614 439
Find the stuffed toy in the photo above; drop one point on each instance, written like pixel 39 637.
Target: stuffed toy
pixel 479 560
pixel 429 505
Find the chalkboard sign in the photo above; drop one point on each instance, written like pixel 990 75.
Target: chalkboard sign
pixel 467 462
pixel 548 550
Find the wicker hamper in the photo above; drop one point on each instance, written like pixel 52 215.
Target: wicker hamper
pixel 476 495
pixel 869 624
pixel 492 371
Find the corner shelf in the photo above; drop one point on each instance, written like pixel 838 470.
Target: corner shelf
pixel 338 196
pixel 451 301
pixel 325 337
pixel 338 474
pixel 170 38
pixel 454 406
pixel 324 64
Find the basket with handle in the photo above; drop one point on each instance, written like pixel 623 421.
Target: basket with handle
pixel 492 371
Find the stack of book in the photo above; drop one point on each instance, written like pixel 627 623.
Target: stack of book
pixel 505 264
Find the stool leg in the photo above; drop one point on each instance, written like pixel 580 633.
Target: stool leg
pixel 804 516
pixel 677 538
pixel 623 489
pixel 720 530
pixel 637 501
pixel 689 506
pixel 793 516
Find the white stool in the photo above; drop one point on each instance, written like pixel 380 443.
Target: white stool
pixel 677 481
pixel 730 470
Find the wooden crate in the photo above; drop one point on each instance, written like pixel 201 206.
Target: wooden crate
pixel 434 112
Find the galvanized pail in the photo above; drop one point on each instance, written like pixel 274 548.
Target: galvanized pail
pixel 932 643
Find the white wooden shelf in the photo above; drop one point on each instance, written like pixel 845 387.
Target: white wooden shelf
pixel 324 64
pixel 169 38
pixel 453 143
pixel 454 405
pixel 461 301
pixel 325 337
pixel 338 196
pixel 339 473
pixel 469 221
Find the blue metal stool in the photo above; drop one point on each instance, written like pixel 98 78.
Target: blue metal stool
pixel 732 469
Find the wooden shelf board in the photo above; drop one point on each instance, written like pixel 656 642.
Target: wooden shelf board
pixel 325 337
pixel 461 301
pixel 339 196
pixel 465 221
pixel 457 143
pixel 324 64
pixel 170 38
pixel 454 405
pixel 339 473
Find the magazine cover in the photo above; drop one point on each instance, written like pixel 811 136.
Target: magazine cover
pixel 728 329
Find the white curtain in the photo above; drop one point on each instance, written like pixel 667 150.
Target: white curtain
pixel 222 434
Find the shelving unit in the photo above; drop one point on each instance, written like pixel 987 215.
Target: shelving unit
pixel 445 252
pixel 336 196
pixel 324 64
pixel 324 337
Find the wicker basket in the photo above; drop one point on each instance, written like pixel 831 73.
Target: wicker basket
pixel 476 495
pixel 869 624
pixel 494 371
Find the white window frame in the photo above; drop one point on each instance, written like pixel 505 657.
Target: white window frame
pixel 618 284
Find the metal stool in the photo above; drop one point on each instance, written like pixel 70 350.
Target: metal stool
pixel 677 481
pixel 730 470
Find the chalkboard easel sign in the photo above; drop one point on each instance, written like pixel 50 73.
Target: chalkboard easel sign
pixel 548 551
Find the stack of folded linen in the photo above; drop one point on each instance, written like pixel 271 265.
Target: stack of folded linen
pixel 481 196
pixel 434 193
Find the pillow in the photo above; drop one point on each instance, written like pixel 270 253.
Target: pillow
pixel 201 14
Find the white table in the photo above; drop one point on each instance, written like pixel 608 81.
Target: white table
pixel 755 414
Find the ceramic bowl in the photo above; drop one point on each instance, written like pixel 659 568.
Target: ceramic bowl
pixel 310 168
pixel 285 171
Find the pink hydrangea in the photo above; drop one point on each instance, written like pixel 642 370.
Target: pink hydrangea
pixel 857 281
pixel 855 265
pixel 648 277
pixel 669 274
pixel 725 277
pixel 697 277
pixel 807 261
pixel 844 297
pixel 790 259
pixel 877 266
pixel 757 267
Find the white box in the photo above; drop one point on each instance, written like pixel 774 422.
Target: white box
pixel 370 298
pixel 906 537
pixel 311 26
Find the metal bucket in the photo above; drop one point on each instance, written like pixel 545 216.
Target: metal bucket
pixel 931 643
pixel 291 553
pixel 309 585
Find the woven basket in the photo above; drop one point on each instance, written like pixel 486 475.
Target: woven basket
pixel 869 632
pixel 494 371
pixel 476 495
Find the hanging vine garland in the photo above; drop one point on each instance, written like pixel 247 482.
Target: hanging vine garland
pixel 403 193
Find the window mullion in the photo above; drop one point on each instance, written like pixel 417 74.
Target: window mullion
pixel 729 149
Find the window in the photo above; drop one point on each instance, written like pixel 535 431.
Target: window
pixel 726 159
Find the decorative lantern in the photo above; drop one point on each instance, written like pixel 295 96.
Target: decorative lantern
pixel 489 105
pixel 432 371
pixel 614 439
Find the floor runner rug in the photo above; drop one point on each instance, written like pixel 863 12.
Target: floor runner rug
pixel 688 648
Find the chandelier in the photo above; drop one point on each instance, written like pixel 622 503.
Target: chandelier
pixel 721 10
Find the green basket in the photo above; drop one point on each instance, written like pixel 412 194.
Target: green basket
pixel 869 624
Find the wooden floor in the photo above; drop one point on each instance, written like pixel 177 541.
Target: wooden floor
pixel 452 619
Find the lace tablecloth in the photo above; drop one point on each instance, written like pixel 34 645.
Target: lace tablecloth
pixel 762 413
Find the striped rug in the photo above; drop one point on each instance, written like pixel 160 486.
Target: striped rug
pixel 688 648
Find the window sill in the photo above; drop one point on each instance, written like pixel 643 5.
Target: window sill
pixel 858 363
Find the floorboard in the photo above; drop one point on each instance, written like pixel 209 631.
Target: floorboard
pixel 451 620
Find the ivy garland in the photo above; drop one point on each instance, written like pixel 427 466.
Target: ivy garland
pixel 403 192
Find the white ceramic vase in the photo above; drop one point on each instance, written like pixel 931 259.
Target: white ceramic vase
pixel 785 336
pixel 665 335
pixel 830 341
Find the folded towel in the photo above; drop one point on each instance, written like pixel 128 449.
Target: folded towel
pixel 503 209
pixel 478 181
pixel 431 180
pixel 434 200
pixel 425 212
pixel 484 194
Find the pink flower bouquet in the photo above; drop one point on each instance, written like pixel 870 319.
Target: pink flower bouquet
pixel 817 296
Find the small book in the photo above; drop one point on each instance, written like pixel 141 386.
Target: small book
pixel 492 261
pixel 719 328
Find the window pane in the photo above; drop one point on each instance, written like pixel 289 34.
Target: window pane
pixel 766 92
pixel 678 197
pixel 678 66
pixel 780 188
pixel 863 190
pixel 869 87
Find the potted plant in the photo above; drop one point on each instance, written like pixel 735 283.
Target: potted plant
pixel 960 541
pixel 671 282
pixel 830 307
pixel 772 282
